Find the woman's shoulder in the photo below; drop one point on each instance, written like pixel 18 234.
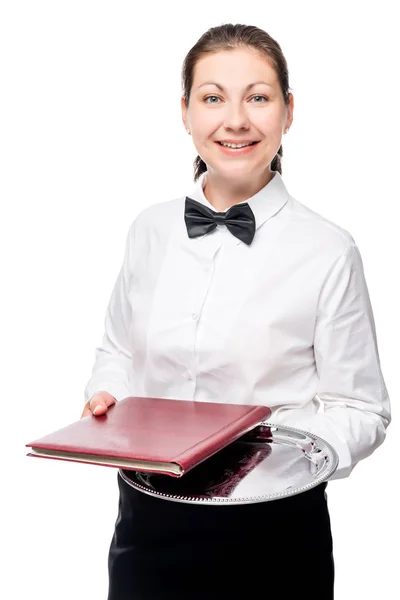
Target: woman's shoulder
pixel 157 218
pixel 318 229
pixel 157 212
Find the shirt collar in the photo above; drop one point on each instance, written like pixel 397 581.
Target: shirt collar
pixel 264 204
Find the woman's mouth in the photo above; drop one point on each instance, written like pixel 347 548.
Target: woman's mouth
pixel 238 150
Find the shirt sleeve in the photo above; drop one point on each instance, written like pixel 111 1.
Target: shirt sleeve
pixel 112 370
pixel 353 403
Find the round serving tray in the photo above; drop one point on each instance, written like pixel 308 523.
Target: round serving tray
pixel 267 463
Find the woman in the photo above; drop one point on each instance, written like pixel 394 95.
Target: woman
pixel 264 304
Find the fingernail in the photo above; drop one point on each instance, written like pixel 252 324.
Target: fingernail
pixel 97 409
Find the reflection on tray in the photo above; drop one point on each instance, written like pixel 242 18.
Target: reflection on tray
pixel 220 474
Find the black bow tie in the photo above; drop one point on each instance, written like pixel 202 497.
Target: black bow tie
pixel 239 219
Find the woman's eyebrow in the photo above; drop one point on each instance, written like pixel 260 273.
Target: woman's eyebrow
pixel 221 87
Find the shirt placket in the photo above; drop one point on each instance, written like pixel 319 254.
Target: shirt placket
pixel 209 246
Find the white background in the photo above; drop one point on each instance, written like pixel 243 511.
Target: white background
pixel 91 133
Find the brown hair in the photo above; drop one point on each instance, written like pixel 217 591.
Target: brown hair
pixel 227 37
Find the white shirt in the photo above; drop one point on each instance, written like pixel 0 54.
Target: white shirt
pixel 284 322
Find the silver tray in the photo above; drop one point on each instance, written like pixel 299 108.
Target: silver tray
pixel 267 463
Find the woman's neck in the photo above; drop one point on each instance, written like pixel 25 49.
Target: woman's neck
pixel 223 194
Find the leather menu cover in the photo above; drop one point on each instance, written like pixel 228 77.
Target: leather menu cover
pixel 158 435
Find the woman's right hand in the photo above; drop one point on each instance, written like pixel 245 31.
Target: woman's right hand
pixel 98 404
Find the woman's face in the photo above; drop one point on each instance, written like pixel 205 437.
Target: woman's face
pixel 236 112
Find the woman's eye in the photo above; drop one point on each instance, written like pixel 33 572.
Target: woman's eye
pixel 208 97
pixel 265 98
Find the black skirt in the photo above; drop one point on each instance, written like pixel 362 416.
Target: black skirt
pixel 164 550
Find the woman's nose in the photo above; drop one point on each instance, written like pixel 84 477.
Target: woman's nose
pixel 236 117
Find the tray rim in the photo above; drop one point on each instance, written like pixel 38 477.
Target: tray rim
pixel 219 501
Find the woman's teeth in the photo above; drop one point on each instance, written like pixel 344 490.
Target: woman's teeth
pixel 228 145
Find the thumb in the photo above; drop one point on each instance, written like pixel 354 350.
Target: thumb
pixel 100 403
pixel 99 408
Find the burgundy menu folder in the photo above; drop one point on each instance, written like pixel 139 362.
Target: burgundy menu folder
pixel 158 435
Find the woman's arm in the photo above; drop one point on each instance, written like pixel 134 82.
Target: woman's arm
pixel 354 406
pixel 113 363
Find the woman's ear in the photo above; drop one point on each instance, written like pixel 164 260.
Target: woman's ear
pixel 184 114
pixel 290 111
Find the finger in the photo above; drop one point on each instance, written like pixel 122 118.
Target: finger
pixel 98 407
pixel 98 404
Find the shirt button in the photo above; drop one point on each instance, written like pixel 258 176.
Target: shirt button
pixel 188 375
pixel 194 316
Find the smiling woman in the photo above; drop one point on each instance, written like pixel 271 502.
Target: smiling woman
pixel 238 293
